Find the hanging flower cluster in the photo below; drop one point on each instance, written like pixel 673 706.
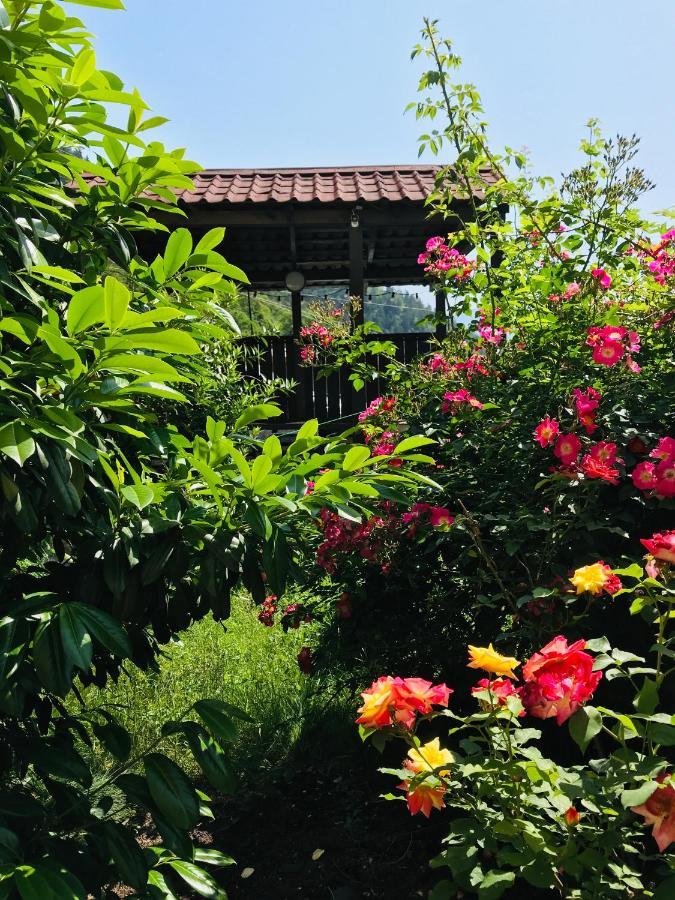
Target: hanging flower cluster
pixel 442 261
pixel 659 476
pixel 612 343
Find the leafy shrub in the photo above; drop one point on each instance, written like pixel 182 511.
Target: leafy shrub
pixel 117 529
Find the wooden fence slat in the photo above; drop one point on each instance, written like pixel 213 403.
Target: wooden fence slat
pixel 277 356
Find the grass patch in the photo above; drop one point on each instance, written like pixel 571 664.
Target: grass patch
pixel 244 663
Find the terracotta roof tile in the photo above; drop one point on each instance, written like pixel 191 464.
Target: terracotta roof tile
pixel 346 184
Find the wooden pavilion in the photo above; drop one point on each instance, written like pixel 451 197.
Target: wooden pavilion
pixel 293 228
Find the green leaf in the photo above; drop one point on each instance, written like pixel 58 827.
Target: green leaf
pixel 216 717
pixel 54 669
pixel 355 457
pixel 255 413
pixel 47 883
pixel 262 466
pixel 199 880
pixel 211 239
pixel 114 738
pixel 99 4
pixel 75 638
pixel 104 629
pixel 213 857
pixel 22 327
pixel 84 66
pixel 211 759
pixel 61 348
pixel 140 495
pixel 494 884
pixel 127 855
pixel 662 734
pixel 172 791
pixel 411 443
pixel 178 249
pixel 86 308
pixel 584 725
pixel 647 699
pixel 165 340
pixel 637 796
pixel 16 442
pixel 633 571
pixel 116 299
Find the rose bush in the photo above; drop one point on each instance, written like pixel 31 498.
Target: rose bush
pixel 551 404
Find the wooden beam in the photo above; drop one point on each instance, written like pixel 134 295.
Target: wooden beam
pixel 207 216
pixel 356 284
pixel 441 326
pixel 296 312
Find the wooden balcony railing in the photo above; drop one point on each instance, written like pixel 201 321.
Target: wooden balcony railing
pixel 325 398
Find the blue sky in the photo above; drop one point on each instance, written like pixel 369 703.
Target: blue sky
pixel 268 83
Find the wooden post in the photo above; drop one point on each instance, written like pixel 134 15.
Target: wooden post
pixel 296 313
pixel 441 324
pixel 356 285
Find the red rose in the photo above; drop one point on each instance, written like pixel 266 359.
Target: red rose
pixel 558 680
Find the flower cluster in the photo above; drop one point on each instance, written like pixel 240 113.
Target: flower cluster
pixel 586 404
pixel 397 701
pixel 380 406
pixel 491 334
pixel 437 364
pixel 431 761
pixel 659 810
pixel 595 579
pixel 443 261
pixel 658 476
pixel 600 459
pixel 421 513
pixel 313 338
pixel 558 680
pixel 601 278
pixel 660 257
pixel 611 343
pixel 661 546
pixel 369 540
pixel 454 401
pixel 268 609
pixel 384 445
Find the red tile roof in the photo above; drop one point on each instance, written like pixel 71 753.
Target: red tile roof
pixel 325 185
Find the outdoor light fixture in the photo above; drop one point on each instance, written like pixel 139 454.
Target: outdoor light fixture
pixel 295 281
pixel 356 216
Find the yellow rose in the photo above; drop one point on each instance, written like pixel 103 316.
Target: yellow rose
pixel 590 578
pixel 429 757
pixel 489 660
